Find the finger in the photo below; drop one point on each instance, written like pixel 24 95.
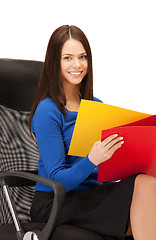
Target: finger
pixel 115 147
pixel 108 139
pixel 113 142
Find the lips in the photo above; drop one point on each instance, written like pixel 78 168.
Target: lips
pixel 75 73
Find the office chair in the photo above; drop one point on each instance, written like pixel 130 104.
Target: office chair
pixel 18 161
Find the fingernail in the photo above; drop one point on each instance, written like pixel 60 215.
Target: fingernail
pixel 115 135
pixel 122 142
pixel 121 138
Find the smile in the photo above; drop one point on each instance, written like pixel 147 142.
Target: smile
pixel 75 73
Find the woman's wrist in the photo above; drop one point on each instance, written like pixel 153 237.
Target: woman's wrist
pixel 92 161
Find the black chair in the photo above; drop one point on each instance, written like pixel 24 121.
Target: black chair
pixel 19 157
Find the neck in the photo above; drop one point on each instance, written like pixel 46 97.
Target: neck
pixel 73 97
pixel 72 93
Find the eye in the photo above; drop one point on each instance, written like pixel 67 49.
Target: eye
pixel 67 58
pixel 83 57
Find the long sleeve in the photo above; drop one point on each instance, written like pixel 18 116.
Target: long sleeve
pixel 48 125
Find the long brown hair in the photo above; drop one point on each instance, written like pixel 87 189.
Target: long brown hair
pixel 50 82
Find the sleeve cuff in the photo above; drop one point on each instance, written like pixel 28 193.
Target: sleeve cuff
pixel 86 167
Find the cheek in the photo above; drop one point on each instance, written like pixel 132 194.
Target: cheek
pixel 86 67
pixel 64 67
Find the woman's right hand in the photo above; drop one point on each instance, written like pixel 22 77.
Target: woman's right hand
pixel 102 151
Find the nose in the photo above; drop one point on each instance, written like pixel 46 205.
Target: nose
pixel 76 62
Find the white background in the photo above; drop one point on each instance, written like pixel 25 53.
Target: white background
pixel 122 35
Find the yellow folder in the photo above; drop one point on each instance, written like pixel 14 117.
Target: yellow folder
pixel 92 118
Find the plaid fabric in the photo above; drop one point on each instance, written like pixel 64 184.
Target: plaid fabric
pixel 18 151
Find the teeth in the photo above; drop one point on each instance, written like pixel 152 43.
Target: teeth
pixel 75 73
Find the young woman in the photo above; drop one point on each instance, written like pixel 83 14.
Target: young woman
pixel 108 209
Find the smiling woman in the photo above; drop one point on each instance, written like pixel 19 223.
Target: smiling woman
pixel 107 209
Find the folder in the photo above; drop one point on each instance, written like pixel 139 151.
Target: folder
pixel 137 154
pixel 92 118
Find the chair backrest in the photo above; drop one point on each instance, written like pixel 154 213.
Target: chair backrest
pixel 18 151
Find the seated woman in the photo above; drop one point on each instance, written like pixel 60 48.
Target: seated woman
pixel 111 209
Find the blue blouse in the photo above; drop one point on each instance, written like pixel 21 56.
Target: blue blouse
pixel 53 134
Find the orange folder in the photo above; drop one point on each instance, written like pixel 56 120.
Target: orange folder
pixel 92 118
pixel 137 154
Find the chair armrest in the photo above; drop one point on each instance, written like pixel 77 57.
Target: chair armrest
pixel 59 194
pixel 15 181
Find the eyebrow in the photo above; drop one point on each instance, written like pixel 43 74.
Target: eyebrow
pixel 72 54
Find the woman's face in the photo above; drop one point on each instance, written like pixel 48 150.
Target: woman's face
pixel 74 63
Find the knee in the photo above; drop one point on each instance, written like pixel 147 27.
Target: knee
pixel 144 184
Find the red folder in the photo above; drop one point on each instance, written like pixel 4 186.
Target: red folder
pixel 137 154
